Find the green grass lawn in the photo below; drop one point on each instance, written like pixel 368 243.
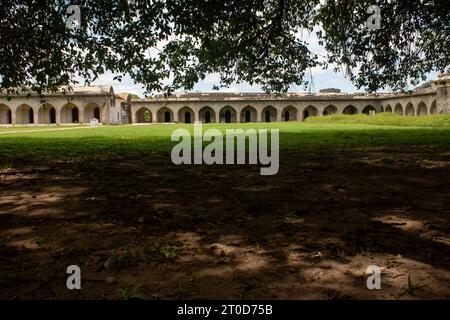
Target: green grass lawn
pixel 387 119
pixel 109 199
pixel 119 141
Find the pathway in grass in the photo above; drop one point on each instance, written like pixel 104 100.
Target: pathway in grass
pixel 15 130
pixel 110 201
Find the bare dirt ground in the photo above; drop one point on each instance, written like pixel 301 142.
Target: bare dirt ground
pixel 191 232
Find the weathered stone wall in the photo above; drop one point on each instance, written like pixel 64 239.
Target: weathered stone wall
pixel 442 98
pixel 75 107
pixel 266 108
pixel 99 102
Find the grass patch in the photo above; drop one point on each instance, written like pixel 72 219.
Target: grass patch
pixel 120 260
pixel 160 249
pixel 387 119
pixel 132 293
pixel 87 149
pixel 412 288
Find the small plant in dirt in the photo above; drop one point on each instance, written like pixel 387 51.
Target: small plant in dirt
pixel 39 240
pixel 341 185
pixel 169 252
pixel 80 250
pixel 291 217
pixel 337 251
pixel 132 293
pixel 120 260
pixel 412 288
pixel 160 248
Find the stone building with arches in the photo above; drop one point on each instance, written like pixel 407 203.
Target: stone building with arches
pixel 82 104
pixel 260 107
pixel 77 106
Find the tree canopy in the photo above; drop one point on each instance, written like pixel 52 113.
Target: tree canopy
pixel 254 41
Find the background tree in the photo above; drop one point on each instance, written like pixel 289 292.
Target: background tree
pixel 256 41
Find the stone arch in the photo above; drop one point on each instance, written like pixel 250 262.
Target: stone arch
pixel 249 114
pixel 24 114
pixel 269 114
pixel 433 109
pixel 398 109
pixel 369 109
pixel 289 114
pixel 207 115
pixel 388 108
pixel 309 111
pixel 70 113
pixel 227 115
pixel 5 114
pixel 144 115
pixel 350 109
pixel 47 114
pixel 409 110
pixel 422 109
pixel 92 110
pixel 164 115
pixel 329 110
pixel 186 115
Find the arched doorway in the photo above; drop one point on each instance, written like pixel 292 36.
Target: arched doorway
pixel 329 110
pixel 75 115
pixel 5 114
pixel 164 115
pixel 422 109
pixel 398 109
pixel 52 115
pixel 227 114
pixel 92 111
pixel 24 114
pixel 309 111
pixel 269 114
pixel 46 114
pixel 207 115
pixel 369 110
pixel 186 115
pixel 289 114
pixel 433 109
pixel 349 110
pixel 249 114
pixel 31 115
pixel 97 114
pixel 69 113
pixel 388 108
pixel 144 115
pixel 409 110
pixel 267 117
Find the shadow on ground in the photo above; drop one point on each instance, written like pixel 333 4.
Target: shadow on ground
pixel 225 231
